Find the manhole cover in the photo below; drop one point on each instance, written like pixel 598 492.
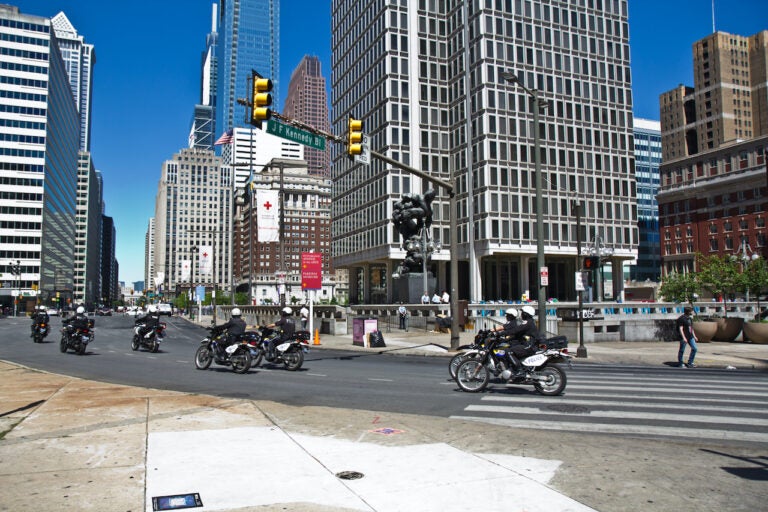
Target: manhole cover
pixel 349 475
pixel 569 409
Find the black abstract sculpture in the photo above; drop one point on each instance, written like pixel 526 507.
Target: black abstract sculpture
pixel 411 215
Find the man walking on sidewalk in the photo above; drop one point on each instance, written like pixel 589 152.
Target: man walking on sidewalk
pixel 684 325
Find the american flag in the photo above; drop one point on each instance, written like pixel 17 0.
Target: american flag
pixel 226 138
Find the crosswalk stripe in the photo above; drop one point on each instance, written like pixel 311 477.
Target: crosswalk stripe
pixel 757 422
pixel 714 384
pixel 573 400
pixel 608 428
pixel 641 390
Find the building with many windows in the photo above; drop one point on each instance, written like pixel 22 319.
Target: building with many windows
pixel 248 38
pixel 713 192
pixel 307 101
pixel 201 134
pixel 647 161
pixel 39 140
pixel 193 210
pixel 88 247
pixel 429 81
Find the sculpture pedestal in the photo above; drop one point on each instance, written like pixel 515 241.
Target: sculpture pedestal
pixel 410 287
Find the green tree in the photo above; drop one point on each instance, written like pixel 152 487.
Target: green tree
pixel 719 275
pixel 680 288
pixel 754 279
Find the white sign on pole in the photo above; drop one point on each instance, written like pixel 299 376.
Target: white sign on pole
pixel 544 276
pixel 581 281
pixel 364 157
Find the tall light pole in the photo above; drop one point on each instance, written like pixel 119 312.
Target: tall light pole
pixel 536 105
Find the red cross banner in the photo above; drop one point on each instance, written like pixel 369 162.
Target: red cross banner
pixel 206 260
pixel 268 215
pixel 311 271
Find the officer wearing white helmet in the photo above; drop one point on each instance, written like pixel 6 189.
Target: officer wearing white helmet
pixel 233 329
pixel 78 321
pixel 287 327
pixel 40 316
pixel 524 336
pixel 148 321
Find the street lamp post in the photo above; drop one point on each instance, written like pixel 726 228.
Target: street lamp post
pixel 536 105
pixel 16 271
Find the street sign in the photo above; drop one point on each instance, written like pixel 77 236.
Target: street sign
pixel 581 281
pixel 544 276
pixel 296 134
pixel 311 271
pixel 364 157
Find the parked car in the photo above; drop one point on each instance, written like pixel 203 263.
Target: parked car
pixel 165 309
pixel 52 312
pixel 105 311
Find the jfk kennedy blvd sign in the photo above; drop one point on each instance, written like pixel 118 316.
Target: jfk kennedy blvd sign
pixel 296 135
pixel 311 271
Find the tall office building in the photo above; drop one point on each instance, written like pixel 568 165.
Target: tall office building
pixel 252 149
pixel 729 99
pixel 193 209
pixel 201 134
pixel 149 251
pixel 647 161
pixel 88 233
pixel 39 141
pixel 79 59
pixel 110 286
pixel 248 38
pixel 713 193
pixel 427 80
pixel 307 102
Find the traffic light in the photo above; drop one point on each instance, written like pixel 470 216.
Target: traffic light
pixel 260 99
pixel 591 262
pixel 355 137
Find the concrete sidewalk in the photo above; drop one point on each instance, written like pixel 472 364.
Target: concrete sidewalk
pixel 72 444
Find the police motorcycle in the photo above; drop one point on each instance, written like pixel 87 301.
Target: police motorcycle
pixel 78 337
pixel 40 329
pixel 542 369
pixel 290 353
pixel 212 350
pixel 149 340
pixel 468 351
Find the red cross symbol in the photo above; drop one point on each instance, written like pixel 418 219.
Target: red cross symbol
pixel 205 254
pixel 267 205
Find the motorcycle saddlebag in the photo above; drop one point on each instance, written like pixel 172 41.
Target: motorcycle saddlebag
pixel 557 342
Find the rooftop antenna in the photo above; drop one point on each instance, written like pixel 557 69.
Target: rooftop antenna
pixel 713 16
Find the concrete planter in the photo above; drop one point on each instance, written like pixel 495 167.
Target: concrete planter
pixel 705 330
pixel 728 328
pixel 756 332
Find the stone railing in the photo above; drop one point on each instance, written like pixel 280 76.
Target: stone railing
pixel 603 321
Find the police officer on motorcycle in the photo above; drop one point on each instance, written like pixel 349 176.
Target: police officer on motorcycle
pixel 148 321
pixel 287 327
pixel 523 334
pixel 39 317
pixel 77 322
pixel 234 328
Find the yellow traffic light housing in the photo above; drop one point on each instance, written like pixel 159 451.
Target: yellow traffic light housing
pixel 355 137
pixel 260 100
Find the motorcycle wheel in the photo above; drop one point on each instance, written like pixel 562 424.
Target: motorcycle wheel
pixel 154 346
pixel 472 376
pixel 553 383
pixel 256 360
pixel 241 361
pixel 37 338
pixel 203 357
pixel 81 349
pixel 293 360
pixel 456 362
pixel 63 344
pixel 135 342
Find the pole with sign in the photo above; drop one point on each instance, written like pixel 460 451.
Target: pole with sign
pixel 311 278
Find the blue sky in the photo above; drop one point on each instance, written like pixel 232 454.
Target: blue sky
pixel 147 79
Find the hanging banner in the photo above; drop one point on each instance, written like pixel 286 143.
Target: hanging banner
pixel 268 215
pixel 159 279
pixel 186 267
pixel 206 260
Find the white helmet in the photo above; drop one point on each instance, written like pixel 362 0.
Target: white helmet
pixel 42 308
pixel 512 312
pixel 236 312
pixel 80 310
pixel 287 311
pixel 529 311
pixel 152 308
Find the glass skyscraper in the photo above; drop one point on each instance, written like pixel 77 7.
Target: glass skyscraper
pixel 647 162
pixel 249 38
